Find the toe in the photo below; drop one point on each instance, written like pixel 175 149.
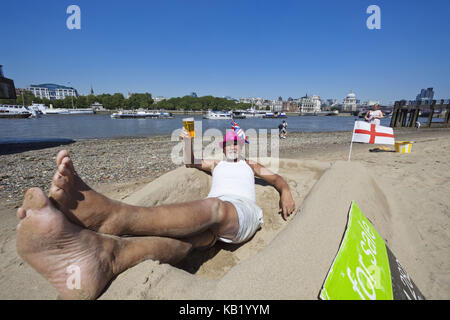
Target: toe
pixel 67 162
pixel 21 213
pixel 60 156
pixel 34 198
pixel 61 181
pixel 63 168
pixel 56 193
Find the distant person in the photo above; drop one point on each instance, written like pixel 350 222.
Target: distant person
pixel 375 115
pixel 283 129
pixel 285 126
pixel 417 124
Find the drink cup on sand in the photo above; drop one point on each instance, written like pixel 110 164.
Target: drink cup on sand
pixel 188 124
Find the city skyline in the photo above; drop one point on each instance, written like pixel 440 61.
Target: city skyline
pixel 60 91
pixel 237 49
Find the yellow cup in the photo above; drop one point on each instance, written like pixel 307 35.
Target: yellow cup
pixel 188 124
pixel 403 146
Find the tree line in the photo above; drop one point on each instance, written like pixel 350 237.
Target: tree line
pixel 134 101
pixel 201 103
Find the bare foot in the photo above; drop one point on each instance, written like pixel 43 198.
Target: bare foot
pixel 76 261
pixel 79 202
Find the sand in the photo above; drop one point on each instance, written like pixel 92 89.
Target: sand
pixel 404 196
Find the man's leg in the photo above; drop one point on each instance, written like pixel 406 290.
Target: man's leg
pixel 93 210
pixel 78 262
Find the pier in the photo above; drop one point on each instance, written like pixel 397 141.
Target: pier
pixel 406 114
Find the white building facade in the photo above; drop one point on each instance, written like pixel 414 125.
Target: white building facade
pixel 52 91
pixel 309 104
pixel 349 102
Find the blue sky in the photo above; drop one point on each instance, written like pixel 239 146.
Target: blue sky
pixel 237 48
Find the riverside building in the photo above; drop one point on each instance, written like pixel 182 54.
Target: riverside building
pixel 52 91
pixel 309 104
pixel 349 103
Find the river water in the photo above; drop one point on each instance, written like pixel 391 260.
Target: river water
pixel 98 126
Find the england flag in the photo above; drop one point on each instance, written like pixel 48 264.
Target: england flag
pixel 370 133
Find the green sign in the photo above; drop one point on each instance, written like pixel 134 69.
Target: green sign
pixel 362 267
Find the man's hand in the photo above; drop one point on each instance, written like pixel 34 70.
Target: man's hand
pixel 184 134
pixel 188 153
pixel 287 204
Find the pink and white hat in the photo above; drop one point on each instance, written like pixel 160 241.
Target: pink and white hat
pixel 231 136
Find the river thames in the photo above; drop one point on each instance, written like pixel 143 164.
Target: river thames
pixel 100 126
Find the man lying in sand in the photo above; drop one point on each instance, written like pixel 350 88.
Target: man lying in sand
pixel 73 237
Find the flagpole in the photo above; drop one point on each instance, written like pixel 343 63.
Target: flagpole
pixel 350 153
pixel 351 143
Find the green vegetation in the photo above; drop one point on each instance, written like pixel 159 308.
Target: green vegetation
pixel 200 103
pixel 26 99
pixel 135 101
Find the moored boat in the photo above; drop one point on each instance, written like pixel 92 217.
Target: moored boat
pixel 253 113
pixel 141 115
pixel 14 112
pixel 275 115
pixel 81 111
pixel 238 114
pixel 218 115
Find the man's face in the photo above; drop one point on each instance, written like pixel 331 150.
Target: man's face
pixel 232 149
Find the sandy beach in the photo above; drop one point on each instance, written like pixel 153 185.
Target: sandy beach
pixel 405 196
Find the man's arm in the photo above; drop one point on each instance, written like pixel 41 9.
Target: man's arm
pixel 287 204
pixel 189 160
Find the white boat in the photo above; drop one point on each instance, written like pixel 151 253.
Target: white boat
pixel 165 115
pixel 56 111
pixel 140 115
pixel 39 107
pixel 13 111
pixel 275 115
pixel 46 110
pixel 218 115
pixel 252 113
pixel 238 114
pixel 81 111
pixel 128 115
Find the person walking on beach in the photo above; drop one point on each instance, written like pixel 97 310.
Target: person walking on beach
pixel 375 115
pixel 282 128
pixel 76 230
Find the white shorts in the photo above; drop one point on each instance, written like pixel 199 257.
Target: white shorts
pixel 250 218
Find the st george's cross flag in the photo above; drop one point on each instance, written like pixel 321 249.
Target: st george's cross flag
pixel 370 133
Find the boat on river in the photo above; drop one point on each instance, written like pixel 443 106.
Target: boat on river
pixel 275 115
pixel 218 115
pixel 141 115
pixel 14 112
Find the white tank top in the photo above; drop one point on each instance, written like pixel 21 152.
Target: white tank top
pixel 236 178
pixel 376 113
